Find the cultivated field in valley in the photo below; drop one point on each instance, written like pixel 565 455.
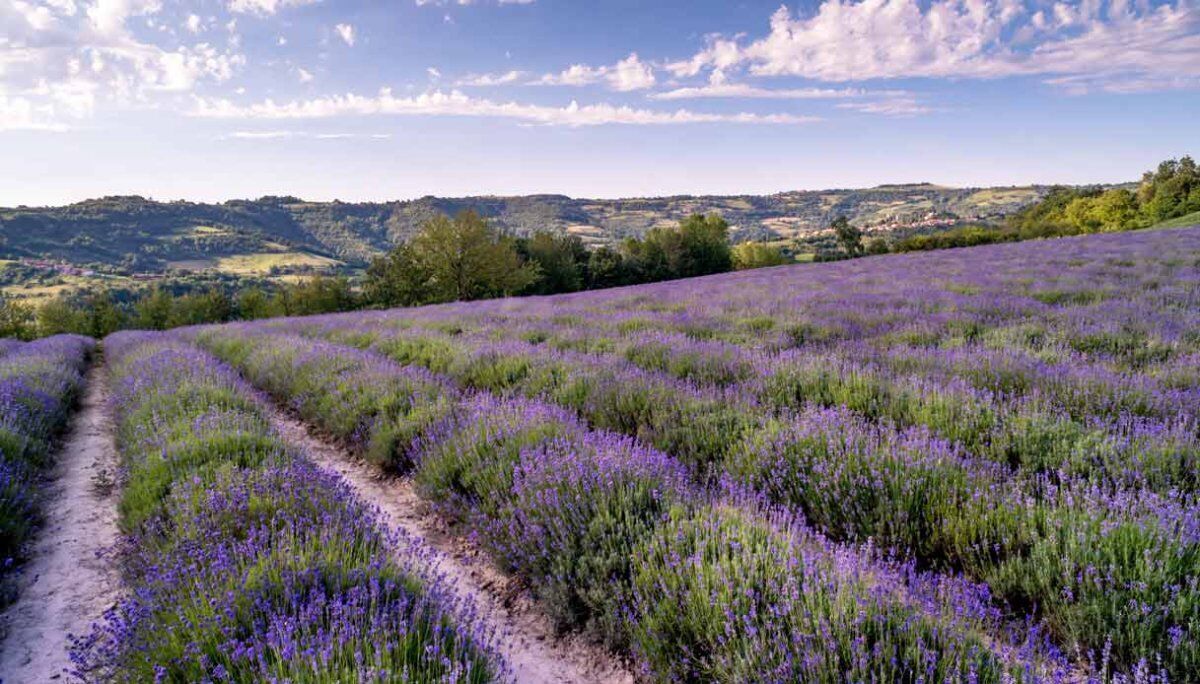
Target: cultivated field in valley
pixel 968 465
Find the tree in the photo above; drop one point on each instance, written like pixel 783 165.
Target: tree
pixel 1079 213
pixel 59 316
pixel 607 268
pixel 253 304
pixel 210 306
pixel 322 294
pixel 877 246
pixel 154 310
pixel 561 260
pixel 16 319
pixel 698 246
pixel 1166 192
pixel 397 279
pixel 757 255
pixel 705 246
pixel 849 237
pixel 450 260
pixel 105 317
pixel 1115 210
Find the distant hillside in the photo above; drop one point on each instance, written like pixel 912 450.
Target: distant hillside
pixel 278 234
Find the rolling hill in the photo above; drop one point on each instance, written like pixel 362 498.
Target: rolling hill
pixel 278 234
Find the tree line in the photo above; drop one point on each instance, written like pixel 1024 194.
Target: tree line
pixel 450 259
pixel 105 311
pixel 465 258
pixel 1170 191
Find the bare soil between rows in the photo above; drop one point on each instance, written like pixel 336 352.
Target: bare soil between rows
pixel 536 651
pixel 71 578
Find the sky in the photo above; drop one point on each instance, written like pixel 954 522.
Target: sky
pixel 209 100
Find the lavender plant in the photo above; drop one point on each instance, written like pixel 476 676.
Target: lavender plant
pixel 562 506
pixel 245 562
pixel 39 382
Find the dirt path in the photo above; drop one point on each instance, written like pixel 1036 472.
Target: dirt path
pixel 67 586
pixel 526 636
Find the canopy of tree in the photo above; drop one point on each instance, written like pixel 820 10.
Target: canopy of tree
pixel 1171 190
pixel 466 258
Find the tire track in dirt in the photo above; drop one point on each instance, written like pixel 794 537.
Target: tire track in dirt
pixel 525 635
pixel 71 579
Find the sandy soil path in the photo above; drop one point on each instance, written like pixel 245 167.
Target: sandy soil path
pixel 528 639
pixel 70 581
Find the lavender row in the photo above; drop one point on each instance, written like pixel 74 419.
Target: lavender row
pixel 1131 301
pixel 613 536
pixel 1081 400
pixel 39 382
pixel 243 561
pixel 1080 554
pixel 1034 436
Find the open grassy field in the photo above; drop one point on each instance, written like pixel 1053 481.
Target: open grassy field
pixel 257 263
pixel 972 465
pixel 1192 219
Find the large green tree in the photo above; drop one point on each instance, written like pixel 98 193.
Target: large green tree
pixel 848 236
pixel 561 260
pixel 450 260
pixel 16 319
pixel 698 246
pixel 758 255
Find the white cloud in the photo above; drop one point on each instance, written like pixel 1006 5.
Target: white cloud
pixel 897 106
pixel 39 17
pixel 58 63
pixel 443 3
pixel 433 73
pixel 484 80
pixel 631 74
pixel 108 16
pixel 265 7
pixel 193 23
pixel 287 135
pixel 455 103
pixel 346 33
pixel 23 114
pixel 304 75
pixel 719 87
pixel 260 135
pixel 628 74
pixel 1113 44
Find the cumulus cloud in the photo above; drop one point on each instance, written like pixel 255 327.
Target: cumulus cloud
pixel 455 103
pixel 57 62
pixel 1099 43
pixel 346 33
pixel 486 80
pixel 628 74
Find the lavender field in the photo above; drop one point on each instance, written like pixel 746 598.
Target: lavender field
pixel 975 465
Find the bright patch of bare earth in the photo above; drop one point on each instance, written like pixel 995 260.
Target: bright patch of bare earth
pixel 527 638
pixel 71 578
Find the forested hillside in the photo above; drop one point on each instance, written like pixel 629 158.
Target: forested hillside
pixel 138 234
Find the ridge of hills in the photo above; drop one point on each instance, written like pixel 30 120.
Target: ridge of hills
pixel 277 234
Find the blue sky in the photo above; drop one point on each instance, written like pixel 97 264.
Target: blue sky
pixel 353 99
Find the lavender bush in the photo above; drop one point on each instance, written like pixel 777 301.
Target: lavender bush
pixel 245 562
pixel 563 507
pixel 39 382
pixel 1071 368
